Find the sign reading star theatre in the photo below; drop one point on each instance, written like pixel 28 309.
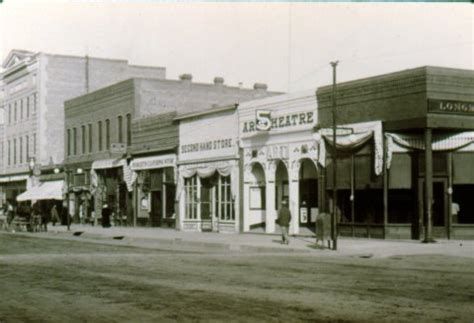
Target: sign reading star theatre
pixel 264 121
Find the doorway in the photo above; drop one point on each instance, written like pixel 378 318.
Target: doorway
pixel 439 209
pixel 308 194
pixel 156 207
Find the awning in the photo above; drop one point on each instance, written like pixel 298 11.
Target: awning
pixel 153 162
pixel 45 191
pixel 108 163
pixel 362 134
pixel 13 178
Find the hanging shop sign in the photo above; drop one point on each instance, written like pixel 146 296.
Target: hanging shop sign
pixel 451 107
pixel 265 121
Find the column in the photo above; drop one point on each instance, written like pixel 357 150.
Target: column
pixel 270 212
pixel 428 187
pixel 293 177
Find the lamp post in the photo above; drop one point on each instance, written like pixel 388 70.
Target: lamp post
pixel 334 160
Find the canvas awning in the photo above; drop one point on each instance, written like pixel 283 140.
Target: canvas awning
pixel 52 190
pixel 108 163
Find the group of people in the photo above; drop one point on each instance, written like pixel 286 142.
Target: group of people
pixel 35 217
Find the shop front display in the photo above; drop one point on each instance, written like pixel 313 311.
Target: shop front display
pixel 280 162
pixel 155 190
pixel 208 185
pixel 111 182
pixel 410 176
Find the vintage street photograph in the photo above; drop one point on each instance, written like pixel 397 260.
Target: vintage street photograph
pixel 208 161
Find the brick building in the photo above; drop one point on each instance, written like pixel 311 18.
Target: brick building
pixel 105 129
pixel 34 87
pixel 405 169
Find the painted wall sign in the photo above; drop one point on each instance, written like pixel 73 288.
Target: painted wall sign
pixel 283 121
pixel 453 107
pixel 211 136
pixel 208 145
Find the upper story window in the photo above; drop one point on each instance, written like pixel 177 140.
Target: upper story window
pixel 129 129
pixel 107 134
pixel 14 151
pixel 27 107
pixel 21 109
pixel 83 133
pixel 33 104
pixel 10 113
pixel 74 141
pixel 9 152
pixel 120 129
pixel 99 131
pixel 15 112
pixel 90 137
pixel 68 142
pixel 27 143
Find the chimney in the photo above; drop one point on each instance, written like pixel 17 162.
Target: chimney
pixel 260 87
pixel 186 78
pixel 218 80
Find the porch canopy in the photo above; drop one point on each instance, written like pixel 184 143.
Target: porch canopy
pixel 52 190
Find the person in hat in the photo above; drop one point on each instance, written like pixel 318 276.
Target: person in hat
pixel 284 218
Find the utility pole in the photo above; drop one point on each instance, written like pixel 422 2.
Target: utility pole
pixel 334 160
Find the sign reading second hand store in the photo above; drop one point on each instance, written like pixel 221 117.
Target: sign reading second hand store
pixel 207 145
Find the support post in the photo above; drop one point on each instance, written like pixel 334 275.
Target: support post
pixel 450 195
pixel 428 187
pixel 334 159
pixel 385 193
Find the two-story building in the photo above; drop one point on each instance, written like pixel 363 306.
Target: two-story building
pixel 125 137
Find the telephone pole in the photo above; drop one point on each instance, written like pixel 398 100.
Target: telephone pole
pixel 334 160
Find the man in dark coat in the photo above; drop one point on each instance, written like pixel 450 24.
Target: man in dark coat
pixel 284 218
pixel 106 212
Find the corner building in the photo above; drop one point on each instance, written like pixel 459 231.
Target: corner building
pixel 405 162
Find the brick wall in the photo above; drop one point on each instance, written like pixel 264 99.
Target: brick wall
pixel 398 97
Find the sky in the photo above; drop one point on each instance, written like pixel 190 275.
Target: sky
pixel 287 46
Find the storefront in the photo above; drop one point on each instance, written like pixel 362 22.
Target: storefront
pixel 422 136
pixel 11 187
pixel 208 185
pixel 280 161
pixel 111 183
pixel 155 190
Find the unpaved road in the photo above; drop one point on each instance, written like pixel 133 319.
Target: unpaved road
pixel 46 280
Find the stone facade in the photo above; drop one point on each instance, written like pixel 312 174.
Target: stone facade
pixel 35 86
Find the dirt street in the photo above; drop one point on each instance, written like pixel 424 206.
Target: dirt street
pixel 46 280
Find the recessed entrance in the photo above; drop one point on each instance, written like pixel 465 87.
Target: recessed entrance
pixel 308 186
pixel 439 209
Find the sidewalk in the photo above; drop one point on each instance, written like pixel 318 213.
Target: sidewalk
pixel 158 237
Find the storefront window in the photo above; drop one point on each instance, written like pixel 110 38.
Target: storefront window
pixel 224 198
pixel 191 189
pixel 462 206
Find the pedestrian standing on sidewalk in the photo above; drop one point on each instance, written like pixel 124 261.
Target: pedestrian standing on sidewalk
pixel 284 218
pixel 54 215
pixel 106 212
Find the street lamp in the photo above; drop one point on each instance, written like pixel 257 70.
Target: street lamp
pixel 334 160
